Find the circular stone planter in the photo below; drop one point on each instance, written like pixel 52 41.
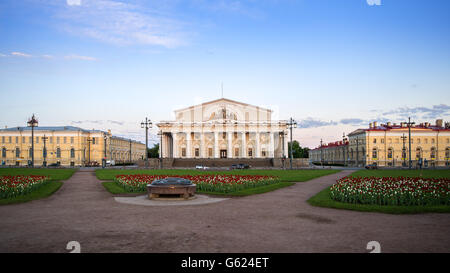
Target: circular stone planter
pixel 171 188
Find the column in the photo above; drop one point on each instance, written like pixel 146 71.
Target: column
pixel 230 144
pixel 244 145
pixel 271 148
pixel 174 144
pixel 285 143
pixel 188 144
pixel 202 148
pixel 257 147
pixel 216 144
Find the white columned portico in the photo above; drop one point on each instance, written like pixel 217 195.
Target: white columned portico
pixel 271 148
pixel 216 144
pixel 230 142
pixel 244 146
pixel 188 144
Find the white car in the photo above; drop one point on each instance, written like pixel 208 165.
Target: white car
pixel 200 167
pixel 110 163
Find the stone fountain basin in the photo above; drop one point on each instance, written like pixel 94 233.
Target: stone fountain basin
pixel 171 187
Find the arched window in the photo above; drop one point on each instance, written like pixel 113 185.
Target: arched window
pixel 17 152
pixel 374 153
pixel 418 153
pixel 72 153
pixel 390 153
pixel 433 153
pixel 58 152
pixel 4 152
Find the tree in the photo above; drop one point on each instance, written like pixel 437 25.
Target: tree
pixel 154 151
pixel 298 151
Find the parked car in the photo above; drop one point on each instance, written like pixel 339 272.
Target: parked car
pixel 372 166
pixel 110 163
pixel 240 166
pixel 201 167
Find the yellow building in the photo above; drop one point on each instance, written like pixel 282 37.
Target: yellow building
pixel 388 145
pixel 66 146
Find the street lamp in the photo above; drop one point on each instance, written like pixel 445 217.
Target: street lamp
pixel 343 146
pixel 32 122
pixel 321 152
pixel 292 124
pixel 89 150
pixel 409 123
pixel 147 124
pixel 105 138
pixel 45 152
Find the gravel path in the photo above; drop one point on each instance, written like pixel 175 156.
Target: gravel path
pixel 278 221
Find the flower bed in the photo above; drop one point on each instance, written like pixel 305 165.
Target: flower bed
pixel 401 191
pixel 11 186
pixel 208 182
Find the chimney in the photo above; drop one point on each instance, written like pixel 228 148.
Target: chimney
pixel 109 131
pixel 389 124
pixel 375 124
pixel 439 122
pixel 370 125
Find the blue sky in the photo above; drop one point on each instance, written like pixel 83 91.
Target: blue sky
pixel 333 65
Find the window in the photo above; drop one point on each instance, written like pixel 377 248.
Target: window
pixel 93 140
pixel 31 140
pixel 236 152
pixel 30 153
pixel 263 153
pixel 426 140
pixel 57 140
pixel 210 152
pixel 374 141
pixel 382 141
pixel 17 139
pixel 397 141
pixel 10 139
pixel 71 140
pixel 433 153
pixel 58 152
pixel 351 153
pixel 183 152
pixel 448 140
pixel 390 153
pixel 197 152
pixel 432 141
pixel 37 139
pixel 72 153
pixel 374 153
pixel 65 140
pixel 17 152
pixel 447 153
pixel 3 139
pixel 390 141
pixel 4 152
pixel 23 139
pixel 51 140
pixel 250 152
pixel 418 141
pixel 224 135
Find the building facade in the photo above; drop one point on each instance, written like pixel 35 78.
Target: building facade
pixel 334 153
pixel 65 146
pixel 223 128
pixel 388 145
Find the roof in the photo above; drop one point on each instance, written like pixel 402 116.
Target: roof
pixel 223 99
pixel 331 145
pixel 50 128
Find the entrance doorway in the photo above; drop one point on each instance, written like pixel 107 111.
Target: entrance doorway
pixel 223 153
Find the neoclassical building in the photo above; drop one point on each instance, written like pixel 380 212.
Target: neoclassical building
pixel 223 128
pixel 65 145
pixel 388 145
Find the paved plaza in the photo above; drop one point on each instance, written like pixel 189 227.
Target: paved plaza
pixel 279 221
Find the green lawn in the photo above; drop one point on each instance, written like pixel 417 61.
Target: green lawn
pixel 284 175
pixel 406 173
pixel 114 188
pixel 42 192
pixel 323 199
pixel 45 190
pixel 54 174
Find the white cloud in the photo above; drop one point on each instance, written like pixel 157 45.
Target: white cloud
pixel 73 2
pixel 123 24
pixel 20 54
pixel 374 2
pixel 2 55
pixel 46 56
pixel 78 57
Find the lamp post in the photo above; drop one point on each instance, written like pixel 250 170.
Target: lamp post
pixel 343 146
pixel 404 149
pixel 45 151
pixel 147 124
pixel 292 124
pixel 105 138
pixel 161 149
pixel 32 122
pixel 89 149
pixel 130 151
pixel 321 153
pixel 409 123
